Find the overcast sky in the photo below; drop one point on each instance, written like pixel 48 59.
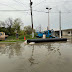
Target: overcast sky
pixel 40 17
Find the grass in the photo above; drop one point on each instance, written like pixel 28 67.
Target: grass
pixel 21 38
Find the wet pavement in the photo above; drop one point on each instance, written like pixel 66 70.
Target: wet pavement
pixel 42 57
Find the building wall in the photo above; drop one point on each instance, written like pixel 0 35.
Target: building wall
pixel 67 32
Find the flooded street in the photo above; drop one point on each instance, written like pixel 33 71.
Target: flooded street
pixel 42 57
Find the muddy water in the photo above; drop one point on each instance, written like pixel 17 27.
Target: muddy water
pixel 43 57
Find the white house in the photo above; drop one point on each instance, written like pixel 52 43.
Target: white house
pixel 65 32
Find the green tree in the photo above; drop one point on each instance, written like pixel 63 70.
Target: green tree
pixel 8 24
pixel 2 24
pixel 17 24
pixel 28 29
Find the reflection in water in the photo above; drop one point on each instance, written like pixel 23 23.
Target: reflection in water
pixel 44 57
pixel 10 49
pixel 59 51
pixel 51 49
pixel 15 49
pixel 31 59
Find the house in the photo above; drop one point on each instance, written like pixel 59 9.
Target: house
pixel 65 32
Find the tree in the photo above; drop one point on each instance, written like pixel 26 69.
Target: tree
pixel 2 24
pixel 17 24
pixel 8 24
pixel 28 29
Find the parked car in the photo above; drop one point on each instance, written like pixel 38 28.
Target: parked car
pixel 3 36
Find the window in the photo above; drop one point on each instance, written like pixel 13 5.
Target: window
pixel 0 34
pixel 69 32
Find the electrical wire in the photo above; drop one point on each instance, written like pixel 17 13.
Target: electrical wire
pixel 50 12
pixel 28 10
pixel 65 7
pixel 7 5
pixel 49 2
pixel 60 1
pixel 39 3
pixel 19 2
pixel 15 10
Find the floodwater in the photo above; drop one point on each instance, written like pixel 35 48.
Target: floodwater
pixel 42 57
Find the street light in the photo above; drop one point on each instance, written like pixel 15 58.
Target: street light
pixel 48 17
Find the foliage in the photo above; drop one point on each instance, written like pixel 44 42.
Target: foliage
pixel 28 29
pixel 17 22
pixel 10 26
pixel 27 36
pixel 21 32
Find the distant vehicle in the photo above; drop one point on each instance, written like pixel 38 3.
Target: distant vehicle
pixel 48 33
pixel 3 36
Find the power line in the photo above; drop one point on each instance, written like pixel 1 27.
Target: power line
pixel 39 11
pixel 63 5
pixel 59 1
pixel 19 2
pixel 50 2
pixel 50 12
pixel 54 2
pixel 39 3
pixel 7 5
pixel 15 10
pixel 23 4
pixel 27 10
pixel 34 11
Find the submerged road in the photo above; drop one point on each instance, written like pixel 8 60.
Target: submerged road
pixel 42 57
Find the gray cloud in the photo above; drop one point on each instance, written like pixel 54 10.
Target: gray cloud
pixel 39 9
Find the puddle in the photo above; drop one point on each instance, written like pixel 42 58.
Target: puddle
pixel 42 57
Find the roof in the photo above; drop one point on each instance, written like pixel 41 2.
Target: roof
pixel 67 29
pixel 64 29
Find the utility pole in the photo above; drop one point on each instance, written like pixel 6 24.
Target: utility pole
pixel 48 21
pixel 40 27
pixel 48 18
pixel 31 18
pixel 60 23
